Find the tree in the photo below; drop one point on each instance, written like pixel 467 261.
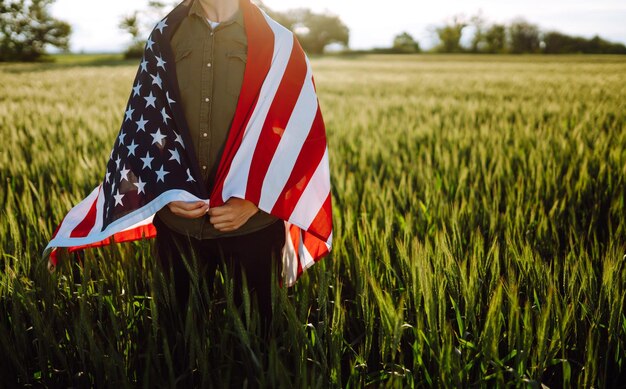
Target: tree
pixel 404 43
pixel 450 35
pixel 130 24
pixel 558 43
pixel 495 39
pixel 314 31
pixel 27 28
pixel 597 45
pixel 524 37
pixel 478 43
pixel 139 24
pixel 487 38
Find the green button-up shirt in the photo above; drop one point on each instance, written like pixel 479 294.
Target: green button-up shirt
pixel 210 64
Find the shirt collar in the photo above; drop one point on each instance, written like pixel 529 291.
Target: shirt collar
pixel 196 8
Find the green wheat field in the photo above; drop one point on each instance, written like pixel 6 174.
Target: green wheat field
pixel 480 236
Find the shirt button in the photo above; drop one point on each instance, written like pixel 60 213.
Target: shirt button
pixel 208 65
pixel 203 167
pixel 206 99
pixel 205 134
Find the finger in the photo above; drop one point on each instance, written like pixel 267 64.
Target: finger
pixel 228 218
pixel 190 214
pixel 184 209
pixel 176 208
pixel 218 211
pixel 225 227
pixel 188 206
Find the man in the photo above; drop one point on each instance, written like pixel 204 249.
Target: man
pixel 223 139
pixel 210 50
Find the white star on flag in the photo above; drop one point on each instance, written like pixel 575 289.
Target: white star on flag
pixel 189 177
pixel 140 185
pixel 121 137
pixel 165 115
pixel 108 175
pixel 150 100
pixel 117 161
pixel 118 198
pixel 175 156
pixel 144 65
pixel 131 148
pixel 179 139
pixel 161 25
pixel 147 161
pixel 157 137
pixel 160 62
pixel 124 174
pixel 129 113
pixel 136 89
pixel 149 44
pixel 161 174
pixel 169 100
pixel 156 80
pixel 141 124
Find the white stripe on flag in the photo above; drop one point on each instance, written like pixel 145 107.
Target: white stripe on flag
pixel 237 177
pixel 290 144
pixel 290 259
pixel 144 222
pixel 314 195
pixel 306 259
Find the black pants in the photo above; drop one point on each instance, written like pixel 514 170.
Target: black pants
pixel 256 254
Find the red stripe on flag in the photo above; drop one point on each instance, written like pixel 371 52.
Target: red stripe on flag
pixel 309 158
pixel 53 257
pixel 141 232
pixel 84 227
pixel 322 225
pixel 279 113
pixel 316 247
pixel 260 50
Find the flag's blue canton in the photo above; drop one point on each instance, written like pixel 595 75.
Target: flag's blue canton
pixel 149 156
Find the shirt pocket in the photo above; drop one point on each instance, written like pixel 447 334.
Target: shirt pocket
pixel 236 68
pixel 182 58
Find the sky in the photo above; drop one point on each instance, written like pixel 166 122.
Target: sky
pixel 371 24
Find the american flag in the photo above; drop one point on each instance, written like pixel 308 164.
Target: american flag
pixel 275 155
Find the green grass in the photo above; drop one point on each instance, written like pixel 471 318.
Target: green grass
pixel 81 59
pixel 480 235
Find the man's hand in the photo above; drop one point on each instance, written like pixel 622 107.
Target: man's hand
pixel 188 210
pixel 232 215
